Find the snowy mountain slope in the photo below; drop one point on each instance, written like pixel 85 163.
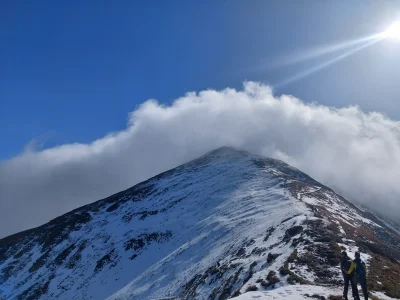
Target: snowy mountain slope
pixel 301 292
pixel 210 229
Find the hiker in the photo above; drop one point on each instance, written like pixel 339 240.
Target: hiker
pixel 345 265
pixel 358 266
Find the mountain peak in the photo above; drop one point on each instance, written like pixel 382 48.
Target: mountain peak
pixel 226 151
pixel 216 227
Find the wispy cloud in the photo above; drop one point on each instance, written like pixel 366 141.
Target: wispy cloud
pixel 354 152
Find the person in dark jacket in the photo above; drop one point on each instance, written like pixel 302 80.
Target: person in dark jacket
pixel 358 266
pixel 349 278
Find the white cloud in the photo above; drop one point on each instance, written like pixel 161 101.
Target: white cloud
pixel 354 152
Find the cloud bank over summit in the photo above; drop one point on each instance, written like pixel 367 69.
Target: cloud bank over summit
pixel 357 154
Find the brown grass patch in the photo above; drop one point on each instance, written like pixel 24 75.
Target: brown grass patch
pixel 388 273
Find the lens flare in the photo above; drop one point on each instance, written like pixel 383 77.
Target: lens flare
pixel 393 31
pixel 325 64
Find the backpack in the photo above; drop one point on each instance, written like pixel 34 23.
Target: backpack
pixel 360 268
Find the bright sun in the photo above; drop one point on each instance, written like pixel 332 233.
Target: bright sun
pixel 393 31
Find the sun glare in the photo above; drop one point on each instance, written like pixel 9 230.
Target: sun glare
pixel 393 31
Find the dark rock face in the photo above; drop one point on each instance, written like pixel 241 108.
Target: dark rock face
pixel 291 232
pixel 105 260
pixel 137 244
pixel 271 257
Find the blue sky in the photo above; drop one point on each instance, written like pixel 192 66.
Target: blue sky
pixel 71 71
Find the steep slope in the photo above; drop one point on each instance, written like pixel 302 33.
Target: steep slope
pixel 210 229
